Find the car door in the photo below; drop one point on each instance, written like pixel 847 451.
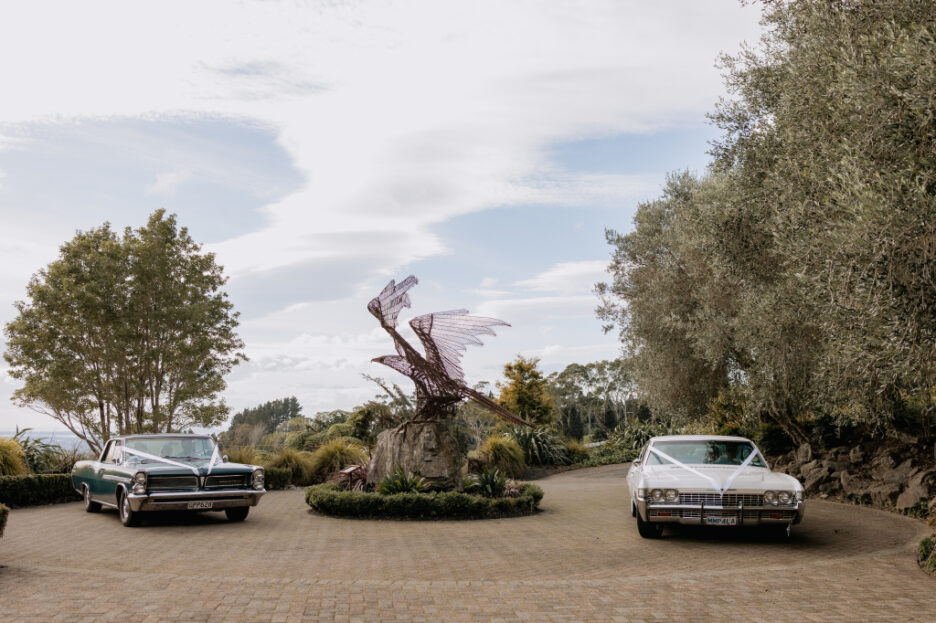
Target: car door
pixel 112 472
pixel 633 474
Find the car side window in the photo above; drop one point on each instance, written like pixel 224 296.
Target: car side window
pixel 116 452
pixel 643 453
pixel 105 456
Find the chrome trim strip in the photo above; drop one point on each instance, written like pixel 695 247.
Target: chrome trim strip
pixel 113 478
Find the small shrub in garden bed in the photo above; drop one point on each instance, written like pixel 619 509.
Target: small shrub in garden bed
pixel 4 513
pixel 36 489
pixel 398 481
pixel 276 478
pixel 925 554
pixel 328 499
pixel 503 453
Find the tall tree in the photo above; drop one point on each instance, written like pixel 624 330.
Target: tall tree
pixel 126 334
pixel 526 391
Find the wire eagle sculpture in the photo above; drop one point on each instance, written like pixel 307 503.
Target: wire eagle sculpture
pixel 438 376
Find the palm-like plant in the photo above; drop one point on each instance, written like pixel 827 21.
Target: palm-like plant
pixel 399 481
pixel 540 446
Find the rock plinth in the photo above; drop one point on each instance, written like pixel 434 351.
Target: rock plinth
pixel 424 448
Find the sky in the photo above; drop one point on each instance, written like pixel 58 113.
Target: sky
pixel 320 149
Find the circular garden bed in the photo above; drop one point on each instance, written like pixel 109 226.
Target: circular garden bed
pixel 330 499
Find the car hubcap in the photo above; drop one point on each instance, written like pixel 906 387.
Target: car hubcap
pixel 87 497
pixel 125 507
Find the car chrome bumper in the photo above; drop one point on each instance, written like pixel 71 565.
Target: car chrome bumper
pixel 178 500
pixel 695 514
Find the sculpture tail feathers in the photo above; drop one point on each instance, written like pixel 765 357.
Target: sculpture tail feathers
pixel 498 410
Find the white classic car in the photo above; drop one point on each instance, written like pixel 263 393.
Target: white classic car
pixel 710 481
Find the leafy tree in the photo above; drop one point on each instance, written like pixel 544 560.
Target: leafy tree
pixel 526 391
pixel 796 276
pixel 125 334
pixel 251 425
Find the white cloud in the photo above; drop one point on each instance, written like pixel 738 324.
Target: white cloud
pixel 167 183
pixel 568 277
pixel 399 116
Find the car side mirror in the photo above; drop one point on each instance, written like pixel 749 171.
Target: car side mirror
pixel 636 462
pixel 224 459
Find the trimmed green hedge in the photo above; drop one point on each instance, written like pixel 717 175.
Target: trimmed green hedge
pixel 276 477
pixel 4 511
pixel 328 499
pixel 36 489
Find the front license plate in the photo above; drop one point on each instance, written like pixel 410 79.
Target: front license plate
pixel 721 521
pixel 200 505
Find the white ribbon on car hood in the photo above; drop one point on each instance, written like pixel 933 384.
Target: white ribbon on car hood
pixel 153 457
pixel 721 490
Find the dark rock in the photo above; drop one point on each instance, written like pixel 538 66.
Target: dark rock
pixel 881 466
pixel 917 489
pixel 853 485
pixel 426 448
pixel 804 454
pixel 899 475
pixel 884 494
pixel 856 455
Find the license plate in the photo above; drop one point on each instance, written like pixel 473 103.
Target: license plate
pixel 200 505
pixel 721 521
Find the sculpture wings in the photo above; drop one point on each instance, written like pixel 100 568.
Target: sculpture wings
pixel 445 335
pixel 439 377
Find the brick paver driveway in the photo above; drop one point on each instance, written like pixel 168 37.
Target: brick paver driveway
pixel 580 559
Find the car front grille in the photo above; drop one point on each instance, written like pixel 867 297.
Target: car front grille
pixel 714 499
pixel 164 483
pixel 226 482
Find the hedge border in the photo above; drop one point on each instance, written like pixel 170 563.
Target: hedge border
pixel 36 489
pixel 4 512
pixel 328 499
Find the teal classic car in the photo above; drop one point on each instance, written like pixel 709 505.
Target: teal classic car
pixel 137 474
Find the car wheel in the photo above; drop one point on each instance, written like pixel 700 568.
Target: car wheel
pixel 128 517
pixel 238 513
pixel 633 509
pixel 90 505
pixel 648 529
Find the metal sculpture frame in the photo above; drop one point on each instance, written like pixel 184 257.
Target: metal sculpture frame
pixel 438 376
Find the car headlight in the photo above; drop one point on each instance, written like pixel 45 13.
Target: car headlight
pixel 657 495
pixel 785 497
pixel 770 497
pixel 671 495
pixel 256 479
pixel 139 483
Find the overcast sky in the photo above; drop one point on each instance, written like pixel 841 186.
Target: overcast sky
pixel 322 148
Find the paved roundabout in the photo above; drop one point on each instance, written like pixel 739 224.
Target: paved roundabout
pixel 580 559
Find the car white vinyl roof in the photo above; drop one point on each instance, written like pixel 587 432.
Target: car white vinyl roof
pixel 698 438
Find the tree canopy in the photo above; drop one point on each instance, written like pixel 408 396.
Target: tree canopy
pixel 525 391
pixel 796 276
pixel 126 334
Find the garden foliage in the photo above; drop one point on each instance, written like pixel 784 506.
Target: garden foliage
pixel 503 453
pixel 399 481
pixel 36 489
pixel 329 499
pixel 12 458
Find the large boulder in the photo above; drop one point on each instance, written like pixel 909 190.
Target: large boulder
pixel 804 453
pixel 424 448
pixel 916 490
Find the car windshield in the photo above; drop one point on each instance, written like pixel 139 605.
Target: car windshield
pixel 705 452
pixel 190 448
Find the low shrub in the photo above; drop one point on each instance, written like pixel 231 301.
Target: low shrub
pixel 490 484
pixel 541 446
pixel 242 454
pixel 926 555
pixel 12 459
pixel 329 499
pixel 334 455
pixel 36 489
pixel 297 462
pixel 276 478
pixel 398 481
pixel 575 451
pixel 504 454
pixel 4 513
